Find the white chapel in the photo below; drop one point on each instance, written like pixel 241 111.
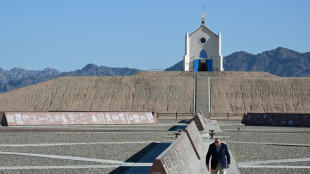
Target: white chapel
pixel 203 50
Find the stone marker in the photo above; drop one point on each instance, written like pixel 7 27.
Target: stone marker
pixel 199 122
pixel 195 139
pixel 277 119
pixel 179 157
pixel 78 118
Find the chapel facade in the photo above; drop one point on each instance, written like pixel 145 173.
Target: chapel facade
pixel 203 50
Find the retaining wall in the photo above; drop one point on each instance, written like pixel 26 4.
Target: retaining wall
pixel 277 119
pixel 76 118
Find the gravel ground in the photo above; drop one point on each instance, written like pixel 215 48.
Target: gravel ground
pixel 13 160
pixel 48 137
pixel 300 163
pixel 261 152
pixel 258 152
pixel 129 152
pixel 173 121
pixel 134 151
pixel 64 171
pixel 234 128
pixel 220 122
pixel 287 138
pixel 120 152
pixel 272 171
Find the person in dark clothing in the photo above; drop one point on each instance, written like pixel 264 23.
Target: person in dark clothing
pixel 220 160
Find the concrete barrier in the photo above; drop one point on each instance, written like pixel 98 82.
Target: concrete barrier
pixel 179 157
pixel 77 118
pixel 195 139
pixel 277 119
pixel 199 122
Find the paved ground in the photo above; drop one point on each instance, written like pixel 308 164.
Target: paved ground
pixel 259 149
pixel 207 141
pixel 132 149
pixel 84 149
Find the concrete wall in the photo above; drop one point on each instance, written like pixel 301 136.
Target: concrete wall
pixel 212 47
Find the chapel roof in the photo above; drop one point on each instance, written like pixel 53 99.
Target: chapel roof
pixel 202 26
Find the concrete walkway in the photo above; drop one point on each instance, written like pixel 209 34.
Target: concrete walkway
pixel 213 126
pixel 150 156
pixel 207 141
pixel 233 166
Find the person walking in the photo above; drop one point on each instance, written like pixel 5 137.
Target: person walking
pixel 220 160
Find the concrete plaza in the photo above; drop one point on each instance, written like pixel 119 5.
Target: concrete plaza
pixel 132 148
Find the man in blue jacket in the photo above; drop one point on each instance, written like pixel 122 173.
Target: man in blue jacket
pixel 220 160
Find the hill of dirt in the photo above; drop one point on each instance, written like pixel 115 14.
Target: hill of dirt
pixel 164 92
pixel 127 93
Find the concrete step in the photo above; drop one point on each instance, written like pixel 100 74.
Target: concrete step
pixel 202 95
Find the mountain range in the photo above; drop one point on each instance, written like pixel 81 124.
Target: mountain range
pixel 18 77
pixel 280 61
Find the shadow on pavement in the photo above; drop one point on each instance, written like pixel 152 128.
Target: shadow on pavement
pixel 146 155
pixel 185 121
pixel 175 128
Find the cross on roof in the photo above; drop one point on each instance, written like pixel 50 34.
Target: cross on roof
pixel 202 7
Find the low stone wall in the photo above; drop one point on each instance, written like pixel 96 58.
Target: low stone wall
pixel 277 119
pixel 76 118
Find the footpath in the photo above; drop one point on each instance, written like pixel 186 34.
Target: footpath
pixel 151 155
pixel 207 141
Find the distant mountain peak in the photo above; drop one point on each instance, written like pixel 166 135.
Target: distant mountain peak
pixel 90 67
pixel 243 53
pixel 17 69
pixel 49 69
pixel 281 53
pixel 280 61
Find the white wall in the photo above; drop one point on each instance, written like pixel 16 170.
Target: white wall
pixel 211 46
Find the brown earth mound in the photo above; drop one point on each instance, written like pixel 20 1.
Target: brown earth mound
pixel 164 92
pixel 159 94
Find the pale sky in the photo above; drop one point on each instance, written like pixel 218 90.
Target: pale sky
pixel 144 34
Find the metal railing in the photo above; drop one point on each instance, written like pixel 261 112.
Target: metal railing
pixel 226 115
pixel 175 115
